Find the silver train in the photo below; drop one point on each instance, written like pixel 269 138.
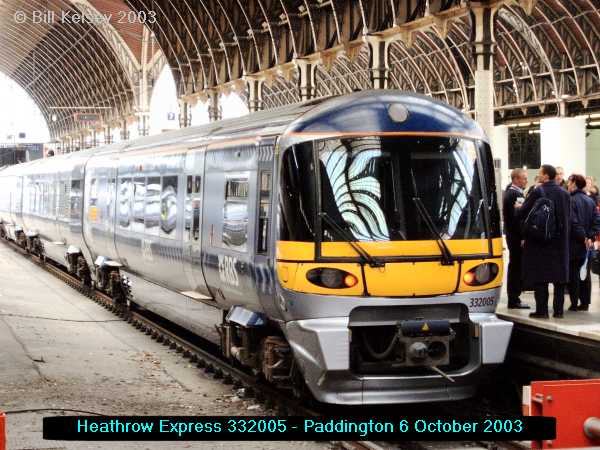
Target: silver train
pixel 349 245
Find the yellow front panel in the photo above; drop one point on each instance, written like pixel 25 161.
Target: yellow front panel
pixel 398 279
pixel 295 251
pixel 305 251
pixel 411 279
pixel 286 272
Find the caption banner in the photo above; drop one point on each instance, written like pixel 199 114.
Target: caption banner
pixel 214 428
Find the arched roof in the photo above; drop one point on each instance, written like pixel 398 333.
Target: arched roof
pixel 69 56
pixel 547 53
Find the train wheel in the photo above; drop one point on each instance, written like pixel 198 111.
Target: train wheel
pixel 83 272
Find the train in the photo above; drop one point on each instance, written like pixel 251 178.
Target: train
pixel 347 248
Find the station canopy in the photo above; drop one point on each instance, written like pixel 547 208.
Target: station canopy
pixel 546 52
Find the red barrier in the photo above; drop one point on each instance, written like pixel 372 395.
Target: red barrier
pixel 572 402
pixel 2 431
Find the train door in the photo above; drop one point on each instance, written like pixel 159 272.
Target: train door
pixel 192 232
pixel 229 224
pixel 263 256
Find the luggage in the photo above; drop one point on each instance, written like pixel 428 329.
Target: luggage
pixel 541 224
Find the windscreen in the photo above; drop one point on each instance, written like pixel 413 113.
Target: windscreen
pixel 369 189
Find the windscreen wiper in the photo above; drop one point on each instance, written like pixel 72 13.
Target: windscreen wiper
pixel 447 256
pixel 348 237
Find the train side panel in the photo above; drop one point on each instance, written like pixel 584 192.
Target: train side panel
pixel 148 238
pixel 99 206
pixel 235 248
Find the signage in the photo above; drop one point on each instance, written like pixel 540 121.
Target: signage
pixel 87 117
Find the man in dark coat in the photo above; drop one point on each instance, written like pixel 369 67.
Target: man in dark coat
pixel 512 228
pixel 585 225
pixel 547 262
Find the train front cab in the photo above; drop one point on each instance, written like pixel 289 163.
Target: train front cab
pixel 389 262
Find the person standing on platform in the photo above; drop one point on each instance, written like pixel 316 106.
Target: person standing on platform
pixel 512 227
pixel 560 177
pixel 591 189
pixel 536 183
pixel 585 224
pixel 546 222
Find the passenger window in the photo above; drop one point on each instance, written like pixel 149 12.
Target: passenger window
pixel 196 209
pixel 45 199
pixel 187 213
pixel 93 201
pixel 263 213
pixel 139 195
pixel 93 192
pixel 109 211
pixel 125 202
pixel 75 199
pixel 235 215
pixel 152 206
pixel 36 201
pixel 168 206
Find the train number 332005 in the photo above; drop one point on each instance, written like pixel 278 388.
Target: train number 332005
pixel 478 302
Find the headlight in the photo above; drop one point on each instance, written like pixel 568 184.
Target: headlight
pixel 481 274
pixel 331 278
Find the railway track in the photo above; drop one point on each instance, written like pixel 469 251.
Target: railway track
pixel 276 399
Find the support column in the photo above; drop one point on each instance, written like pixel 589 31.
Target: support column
pixel 215 112
pixel 94 138
pixel 144 124
pixel 185 114
pixel 499 142
pixel 378 60
pixel 107 135
pixel 563 143
pixel 144 91
pixel 306 78
pixel 124 130
pixel 254 86
pixel 482 40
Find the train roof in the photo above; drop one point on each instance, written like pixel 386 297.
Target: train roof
pixel 363 112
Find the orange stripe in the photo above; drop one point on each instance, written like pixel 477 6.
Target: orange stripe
pixel 380 133
pixel 154 151
pixel 234 141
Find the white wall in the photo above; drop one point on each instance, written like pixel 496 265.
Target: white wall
pixel 163 102
pixel 593 153
pixel 20 114
pixel 562 143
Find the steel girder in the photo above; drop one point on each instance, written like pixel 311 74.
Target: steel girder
pixel 545 56
pixel 63 64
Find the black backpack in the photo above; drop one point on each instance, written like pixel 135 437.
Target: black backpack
pixel 541 224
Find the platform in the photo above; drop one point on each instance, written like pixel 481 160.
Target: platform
pixel 583 324
pixel 62 352
pixel 542 349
